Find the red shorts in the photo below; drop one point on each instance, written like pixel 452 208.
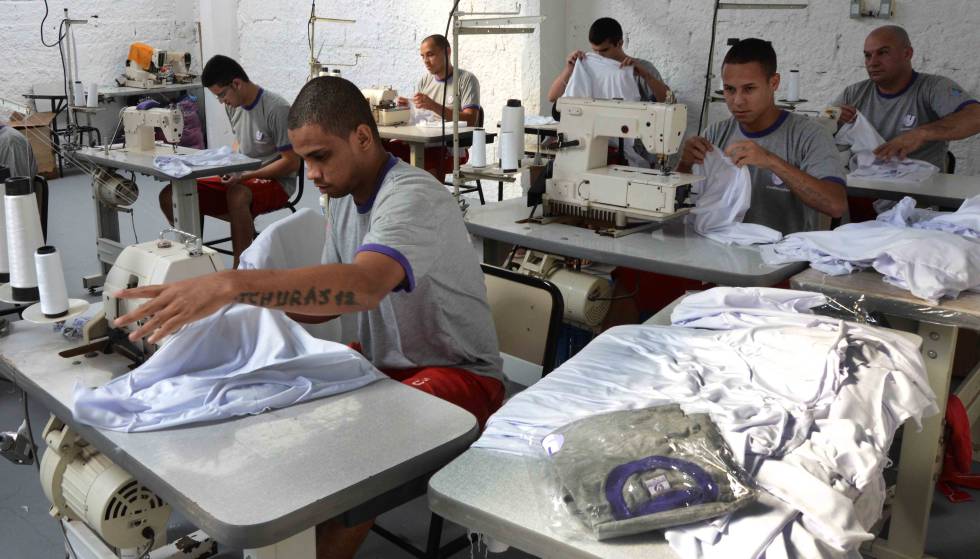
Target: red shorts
pixel 267 196
pixel 432 157
pixel 477 394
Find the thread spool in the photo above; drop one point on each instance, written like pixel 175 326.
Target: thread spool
pixel 23 237
pixel 78 93
pixel 508 157
pixel 4 257
pixel 51 282
pixel 793 86
pixel 478 149
pixel 512 120
pixel 92 95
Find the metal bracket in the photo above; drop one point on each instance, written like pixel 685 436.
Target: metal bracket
pixel 885 9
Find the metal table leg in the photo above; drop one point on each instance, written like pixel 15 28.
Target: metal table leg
pixel 187 216
pixel 417 154
pixel 921 455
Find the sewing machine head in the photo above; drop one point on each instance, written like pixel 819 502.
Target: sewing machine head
pixel 384 106
pixel 584 185
pixel 140 126
pixel 152 263
pixel 148 67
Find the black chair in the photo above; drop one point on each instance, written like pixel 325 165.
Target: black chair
pixel 290 205
pixel 950 162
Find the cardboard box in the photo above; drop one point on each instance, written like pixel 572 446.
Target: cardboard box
pixel 37 129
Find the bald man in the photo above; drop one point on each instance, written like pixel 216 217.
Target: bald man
pixel 917 114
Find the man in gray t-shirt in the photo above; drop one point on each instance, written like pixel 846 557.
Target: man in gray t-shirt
pixel 917 114
pixel 606 39
pixel 398 259
pixel 796 172
pixel 434 92
pixel 258 119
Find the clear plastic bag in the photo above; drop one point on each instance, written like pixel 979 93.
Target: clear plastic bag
pixel 633 471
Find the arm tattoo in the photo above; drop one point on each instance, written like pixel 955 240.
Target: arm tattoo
pixel 297 298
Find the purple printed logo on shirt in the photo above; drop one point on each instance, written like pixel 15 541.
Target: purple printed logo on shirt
pixel 909 120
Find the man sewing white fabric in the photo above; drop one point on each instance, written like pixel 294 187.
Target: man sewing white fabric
pixel 434 92
pixel 397 257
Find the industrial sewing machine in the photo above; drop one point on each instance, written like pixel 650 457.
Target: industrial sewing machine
pixel 147 67
pixel 384 106
pixel 612 199
pixel 141 126
pixel 150 263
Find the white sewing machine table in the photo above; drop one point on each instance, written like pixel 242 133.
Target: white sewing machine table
pixel 943 190
pixel 674 250
pixel 492 493
pixel 263 480
pixel 921 458
pixel 185 204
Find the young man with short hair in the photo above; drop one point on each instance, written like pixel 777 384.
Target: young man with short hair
pixel 916 113
pixel 397 257
pixel 796 172
pixel 606 39
pixel 258 119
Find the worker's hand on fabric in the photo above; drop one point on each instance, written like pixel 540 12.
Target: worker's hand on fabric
pixel 900 146
pixel 232 178
pixel 695 148
pixel 637 69
pixel 173 305
pixel 847 114
pixel 748 152
pixel 402 102
pixel 423 101
pixel 575 57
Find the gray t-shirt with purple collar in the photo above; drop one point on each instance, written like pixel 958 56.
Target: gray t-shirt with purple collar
pixel 802 143
pixel 927 98
pixel 438 316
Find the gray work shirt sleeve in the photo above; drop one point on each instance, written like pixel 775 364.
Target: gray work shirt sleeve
pixel 469 92
pixel 946 96
pixel 645 91
pixel 277 119
pixel 406 232
pixel 821 157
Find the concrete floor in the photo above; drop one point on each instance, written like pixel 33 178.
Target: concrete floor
pixel 26 530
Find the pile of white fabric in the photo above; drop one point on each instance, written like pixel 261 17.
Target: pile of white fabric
pixel 242 360
pixel 809 405
pixel 931 254
pixel 863 139
pixel 721 201
pixel 181 165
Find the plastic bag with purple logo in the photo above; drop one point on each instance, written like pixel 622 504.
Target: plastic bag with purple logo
pixel 633 471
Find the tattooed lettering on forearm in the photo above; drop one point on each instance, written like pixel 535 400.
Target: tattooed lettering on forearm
pixel 297 298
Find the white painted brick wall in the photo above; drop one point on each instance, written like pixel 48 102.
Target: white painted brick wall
pixel 102 44
pixel 821 41
pixel 387 34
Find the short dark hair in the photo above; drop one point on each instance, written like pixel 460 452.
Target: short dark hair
pixel 753 50
pixel 605 29
pixel 221 70
pixel 333 103
pixel 440 41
